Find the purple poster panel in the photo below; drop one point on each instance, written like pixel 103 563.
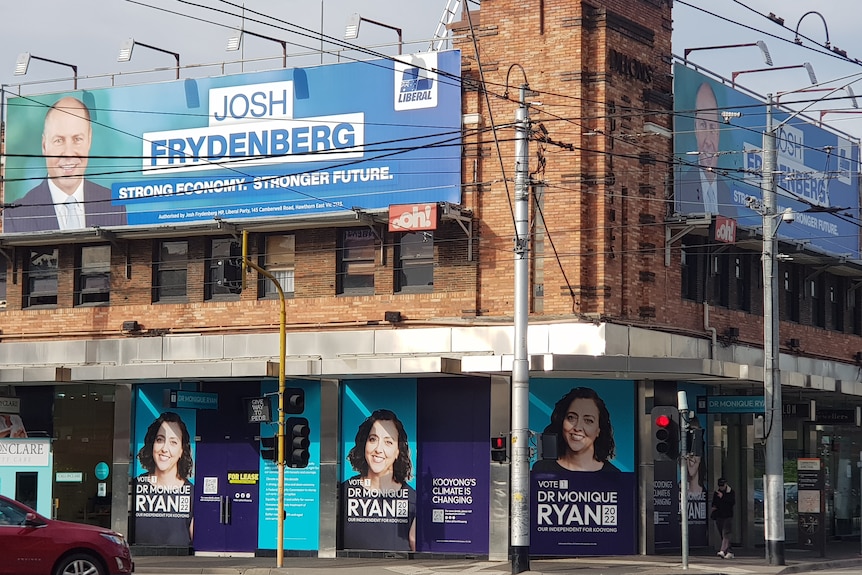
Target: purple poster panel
pixel 453 476
pixel 584 501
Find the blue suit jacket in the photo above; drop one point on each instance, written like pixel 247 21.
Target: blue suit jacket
pixel 35 211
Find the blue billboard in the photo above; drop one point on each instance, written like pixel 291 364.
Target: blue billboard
pixel 718 165
pixel 289 142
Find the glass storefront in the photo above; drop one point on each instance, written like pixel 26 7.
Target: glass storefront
pixel 83 452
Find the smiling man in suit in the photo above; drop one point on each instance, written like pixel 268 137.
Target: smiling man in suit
pixel 65 200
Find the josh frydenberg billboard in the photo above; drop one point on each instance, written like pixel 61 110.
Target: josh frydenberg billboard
pixel 720 164
pixel 267 144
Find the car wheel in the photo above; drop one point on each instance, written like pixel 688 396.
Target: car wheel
pixel 79 564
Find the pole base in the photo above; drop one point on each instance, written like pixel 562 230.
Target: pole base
pixel 775 552
pixel 520 559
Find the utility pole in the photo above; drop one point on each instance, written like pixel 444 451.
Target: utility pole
pixel 774 496
pixel 520 473
pixel 684 450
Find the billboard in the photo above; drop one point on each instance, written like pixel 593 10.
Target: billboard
pixel 581 502
pixel 288 142
pixel 719 165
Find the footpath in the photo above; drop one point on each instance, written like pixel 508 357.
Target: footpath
pixel 840 555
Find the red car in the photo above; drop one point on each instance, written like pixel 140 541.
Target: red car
pixel 33 544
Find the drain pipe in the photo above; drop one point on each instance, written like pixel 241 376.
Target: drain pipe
pixel 707 327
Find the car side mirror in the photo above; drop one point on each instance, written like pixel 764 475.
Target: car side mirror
pixel 33 520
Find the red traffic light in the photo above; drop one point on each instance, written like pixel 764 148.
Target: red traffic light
pixel 662 420
pixel 498 443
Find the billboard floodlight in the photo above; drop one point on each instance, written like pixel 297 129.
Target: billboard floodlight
pixel 351 32
pixel 129 45
pixel 23 63
pixel 234 42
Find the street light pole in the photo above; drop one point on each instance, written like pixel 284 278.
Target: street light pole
pixel 774 496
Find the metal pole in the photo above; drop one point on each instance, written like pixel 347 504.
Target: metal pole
pixel 321 32
pixel 520 525
pixel 774 488
pixel 684 450
pixel 683 491
pixel 282 355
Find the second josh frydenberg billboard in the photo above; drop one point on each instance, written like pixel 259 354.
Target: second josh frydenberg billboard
pixel 720 165
pixel 266 144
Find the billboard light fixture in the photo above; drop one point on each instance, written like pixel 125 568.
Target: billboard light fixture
pixel 128 47
pixel 234 43
pixel 351 32
pixel 22 64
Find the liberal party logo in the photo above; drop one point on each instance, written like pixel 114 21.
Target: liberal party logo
pixel 415 83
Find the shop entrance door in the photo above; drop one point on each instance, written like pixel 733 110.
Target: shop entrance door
pixel 226 498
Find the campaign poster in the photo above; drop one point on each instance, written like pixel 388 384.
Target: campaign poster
pixel 719 164
pixel 584 501
pixel 378 483
pixel 301 485
pixel 291 142
pixel 164 455
pixel 453 476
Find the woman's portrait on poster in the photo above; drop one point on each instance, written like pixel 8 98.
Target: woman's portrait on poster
pixel 585 436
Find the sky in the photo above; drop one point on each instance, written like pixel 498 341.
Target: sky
pixel 89 33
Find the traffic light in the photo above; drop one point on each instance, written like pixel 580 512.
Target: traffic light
pixel 294 400
pixel 499 449
pixel 297 442
pixel 268 448
pixel 665 433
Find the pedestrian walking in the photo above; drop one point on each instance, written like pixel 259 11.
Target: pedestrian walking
pixel 723 500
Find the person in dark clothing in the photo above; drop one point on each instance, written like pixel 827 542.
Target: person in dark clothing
pixel 723 500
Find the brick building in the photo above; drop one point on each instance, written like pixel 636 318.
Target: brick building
pixel 111 325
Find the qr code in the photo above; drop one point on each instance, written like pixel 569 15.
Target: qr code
pixel 210 485
pixel 437 516
pixel 609 514
pixel 401 508
pixel 185 504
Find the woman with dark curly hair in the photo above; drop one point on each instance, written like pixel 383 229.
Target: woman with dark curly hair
pixel 379 506
pixel 163 495
pixel 585 436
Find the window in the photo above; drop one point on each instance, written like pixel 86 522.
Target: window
pixel 742 276
pixel 356 262
pixel 791 293
pixel 171 270
pixel 836 303
pixel 414 265
pixel 224 271
pixel 93 275
pixel 721 280
pixel 40 277
pixel 3 284
pixel 278 259
pixel 818 305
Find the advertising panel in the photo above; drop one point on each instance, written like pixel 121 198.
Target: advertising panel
pixel 378 483
pixel 719 165
pixel 301 485
pixel 163 470
pixel 416 475
pixel 582 502
pixel 287 142
pixel 453 480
